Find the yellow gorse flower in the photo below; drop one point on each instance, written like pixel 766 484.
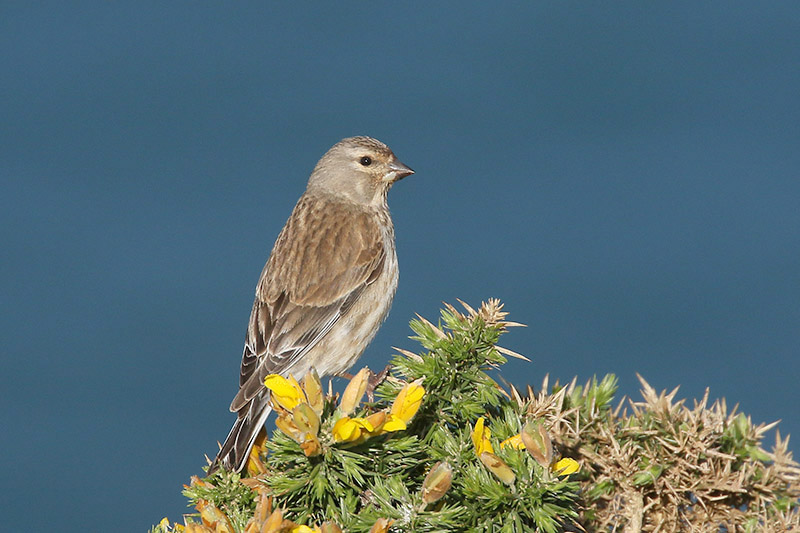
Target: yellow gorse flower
pixel 254 464
pixel 515 442
pixel 480 438
pixel 299 409
pixel 211 514
pixel 393 423
pixel 164 525
pixel 356 430
pixel 538 439
pixel 566 466
pixel 286 393
pixel 348 429
pixel 408 400
pixel 303 529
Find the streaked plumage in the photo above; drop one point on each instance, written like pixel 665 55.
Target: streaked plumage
pixel 327 286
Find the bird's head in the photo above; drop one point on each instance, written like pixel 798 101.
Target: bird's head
pixel 359 168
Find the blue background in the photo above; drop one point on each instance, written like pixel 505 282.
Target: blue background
pixel 624 176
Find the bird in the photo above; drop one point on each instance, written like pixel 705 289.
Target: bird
pixel 327 286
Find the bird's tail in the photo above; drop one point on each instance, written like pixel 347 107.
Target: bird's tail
pixel 235 450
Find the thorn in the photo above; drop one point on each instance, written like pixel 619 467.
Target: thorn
pixel 410 355
pixel 439 333
pixel 511 353
pixel 466 306
pixel 516 395
pixel 452 309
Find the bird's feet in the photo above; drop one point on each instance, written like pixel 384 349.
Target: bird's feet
pixel 375 380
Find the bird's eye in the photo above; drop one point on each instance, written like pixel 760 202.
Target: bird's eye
pixel 366 161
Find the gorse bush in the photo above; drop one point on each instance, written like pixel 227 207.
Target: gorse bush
pixel 443 446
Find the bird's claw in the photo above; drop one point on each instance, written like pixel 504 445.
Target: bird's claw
pixel 375 380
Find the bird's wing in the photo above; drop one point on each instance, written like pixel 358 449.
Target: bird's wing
pixel 323 259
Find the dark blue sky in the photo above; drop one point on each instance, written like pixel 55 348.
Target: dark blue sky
pixel 624 176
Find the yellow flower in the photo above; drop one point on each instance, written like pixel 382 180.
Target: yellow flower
pixel 515 442
pixel 566 466
pixel 303 529
pixel 408 400
pixel 480 438
pixel 254 464
pixel 348 429
pixel 176 528
pixel 393 423
pixel 285 392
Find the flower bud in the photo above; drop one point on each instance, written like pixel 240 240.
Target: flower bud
pixel 311 446
pixel 498 468
pixel 330 527
pixel 538 442
pixel 354 391
pixel 306 419
pixel 313 389
pixel 437 482
pixel 381 525
pixel 287 425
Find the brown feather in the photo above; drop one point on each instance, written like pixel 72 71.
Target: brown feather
pixel 294 308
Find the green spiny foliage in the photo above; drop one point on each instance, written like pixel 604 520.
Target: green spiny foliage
pixel 227 493
pixel 382 477
pixel 645 466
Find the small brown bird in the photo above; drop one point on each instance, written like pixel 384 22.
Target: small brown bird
pixel 327 285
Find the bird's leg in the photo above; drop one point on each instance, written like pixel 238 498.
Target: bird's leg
pixel 375 380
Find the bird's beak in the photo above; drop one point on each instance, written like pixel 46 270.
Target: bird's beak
pixel 399 170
